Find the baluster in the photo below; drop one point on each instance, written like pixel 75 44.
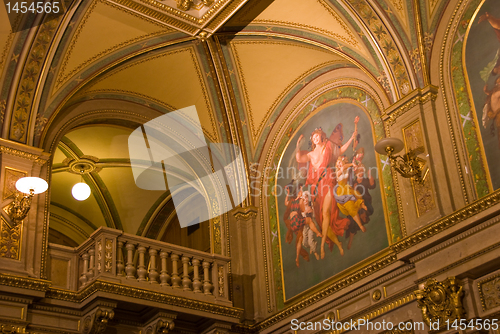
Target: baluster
pixel 153 273
pixel 83 277
pixel 207 286
pixel 141 268
pixel 164 276
pixel 186 281
pixel 130 268
pixel 196 277
pixel 119 262
pixel 175 274
pixel 90 272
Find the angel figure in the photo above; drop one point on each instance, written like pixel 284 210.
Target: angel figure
pixel 321 177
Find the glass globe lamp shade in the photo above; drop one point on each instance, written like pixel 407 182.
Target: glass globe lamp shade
pixel 80 191
pixel 28 184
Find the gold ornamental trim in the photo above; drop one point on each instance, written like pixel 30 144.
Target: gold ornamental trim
pixel 488 292
pixel 247 213
pixel 380 310
pixel 421 98
pixel 447 222
pixel 156 15
pixel 328 291
pixel 24 282
pixel 123 290
pixel 18 153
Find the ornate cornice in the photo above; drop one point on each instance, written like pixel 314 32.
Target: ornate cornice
pixel 19 153
pixel 24 282
pixel 328 291
pixel 123 290
pixel 181 18
pixel 447 222
pixel 419 96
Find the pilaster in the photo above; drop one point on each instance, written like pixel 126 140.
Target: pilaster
pixel 22 248
pixel 246 252
pixel 412 120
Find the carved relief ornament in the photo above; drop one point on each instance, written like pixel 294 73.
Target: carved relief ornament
pixel 441 301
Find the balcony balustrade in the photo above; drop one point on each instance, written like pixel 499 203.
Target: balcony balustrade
pixel 118 257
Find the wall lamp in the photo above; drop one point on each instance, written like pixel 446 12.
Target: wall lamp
pixel 27 187
pixel 409 165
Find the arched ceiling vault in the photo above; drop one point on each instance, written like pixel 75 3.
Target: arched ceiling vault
pixel 240 62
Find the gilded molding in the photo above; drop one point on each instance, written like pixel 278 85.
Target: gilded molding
pixel 445 99
pixel 224 14
pixel 24 282
pixel 447 222
pixel 417 100
pixel 329 290
pixel 55 309
pixel 456 239
pixel 19 153
pixel 216 6
pixel 247 213
pixel 377 311
pixel 123 290
pixel 162 17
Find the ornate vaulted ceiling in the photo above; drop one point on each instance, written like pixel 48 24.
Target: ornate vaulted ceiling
pixel 105 67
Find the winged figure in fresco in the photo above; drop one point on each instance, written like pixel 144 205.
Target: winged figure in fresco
pixel 491 110
pixel 321 178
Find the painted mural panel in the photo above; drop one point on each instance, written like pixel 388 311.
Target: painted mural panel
pixel 482 62
pixel 329 203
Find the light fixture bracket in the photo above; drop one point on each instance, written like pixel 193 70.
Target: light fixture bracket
pixel 409 165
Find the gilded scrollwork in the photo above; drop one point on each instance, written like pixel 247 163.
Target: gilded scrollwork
pixel 441 301
pixel 11 329
pixel 10 240
pixel 422 191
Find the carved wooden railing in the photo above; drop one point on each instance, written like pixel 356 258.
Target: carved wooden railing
pixel 145 263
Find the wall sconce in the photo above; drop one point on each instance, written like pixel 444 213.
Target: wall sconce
pixel 27 187
pixel 408 165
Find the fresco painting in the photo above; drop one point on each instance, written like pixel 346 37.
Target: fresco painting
pixel 330 209
pixel 482 62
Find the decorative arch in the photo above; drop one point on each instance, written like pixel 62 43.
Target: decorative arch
pixel 474 48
